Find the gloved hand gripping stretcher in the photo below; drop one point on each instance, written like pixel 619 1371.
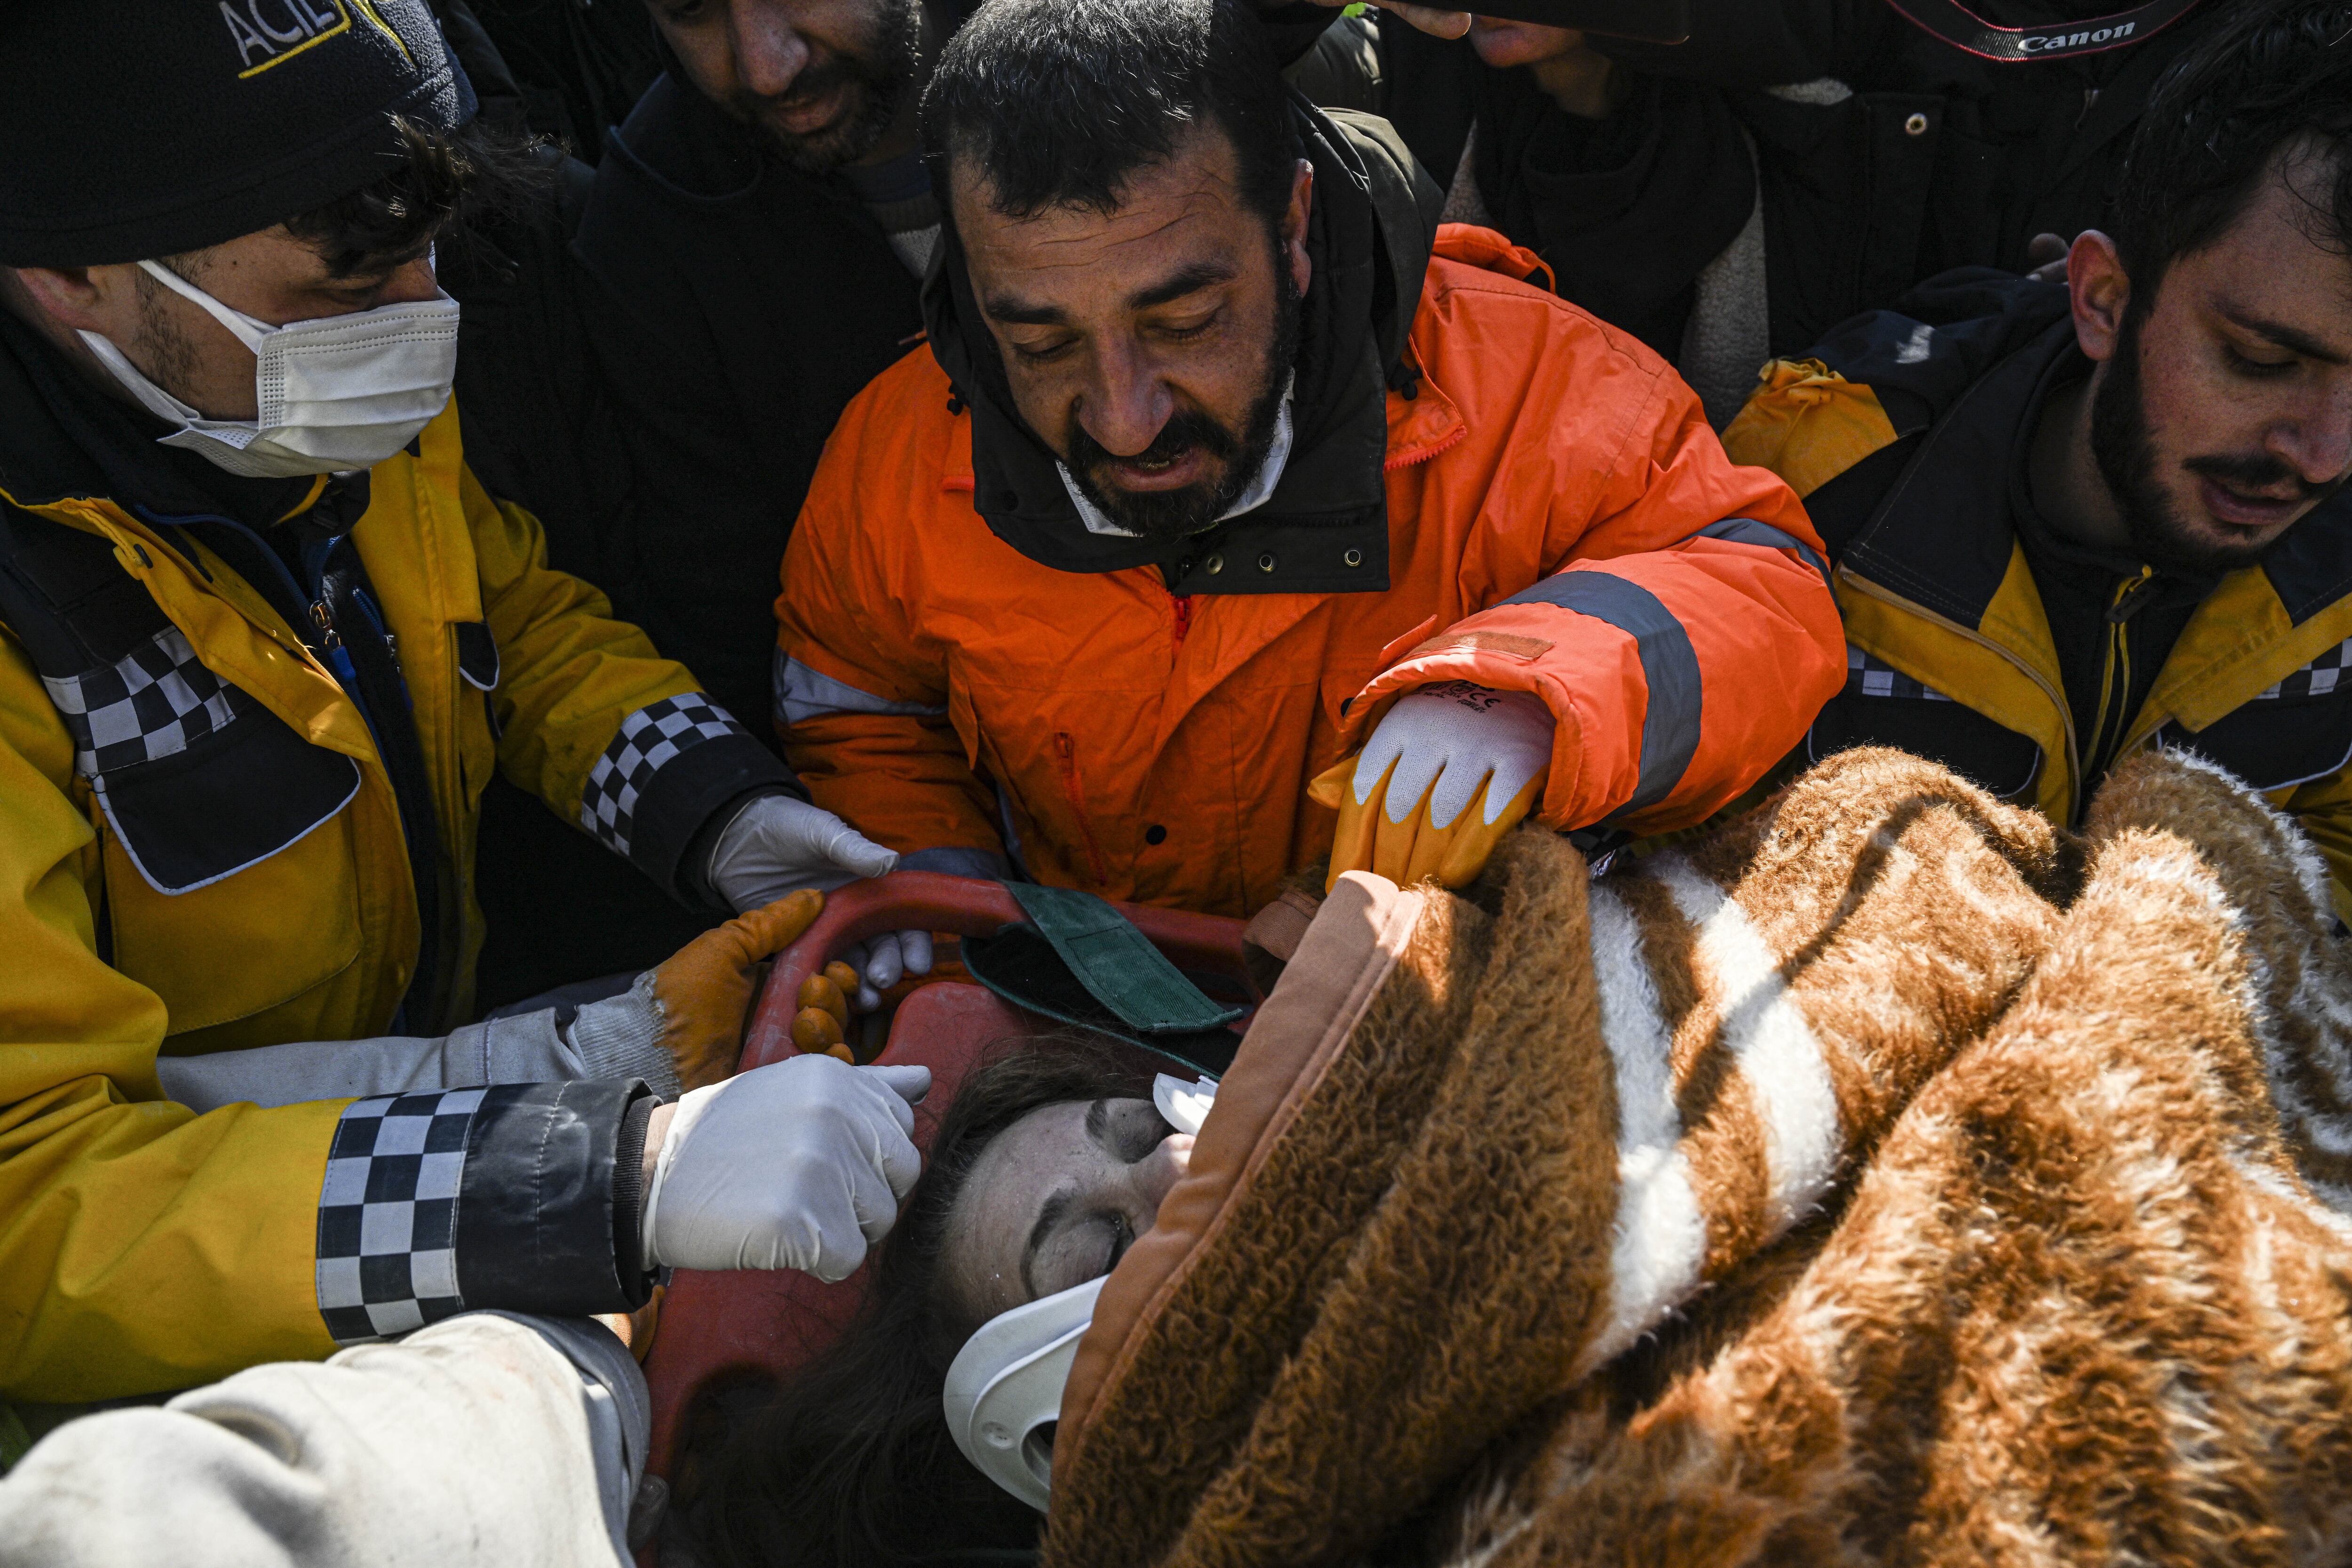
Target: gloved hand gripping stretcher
pixel 714 1323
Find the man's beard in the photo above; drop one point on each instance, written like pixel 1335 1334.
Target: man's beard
pixel 877 69
pixel 2125 447
pixel 171 359
pixel 1179 514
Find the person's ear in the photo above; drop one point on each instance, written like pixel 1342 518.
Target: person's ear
pixel 2101 291
pixel 1294 225
pixel 76 298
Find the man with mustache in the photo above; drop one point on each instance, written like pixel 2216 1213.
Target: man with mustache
pixel 2071 522
pixel 751 255
pixel 1223 463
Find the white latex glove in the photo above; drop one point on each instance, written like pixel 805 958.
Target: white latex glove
pixel 778 845
pixel 1447 740
pixel 800 1164
pixel 883 961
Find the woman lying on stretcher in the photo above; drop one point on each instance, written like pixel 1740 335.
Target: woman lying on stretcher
pixel 1889 1177
pixel 1050 1162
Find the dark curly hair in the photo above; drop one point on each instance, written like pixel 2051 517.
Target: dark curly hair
pixel 478 172
pixel 2275 78
pixel 849 1461
pixel 1061 102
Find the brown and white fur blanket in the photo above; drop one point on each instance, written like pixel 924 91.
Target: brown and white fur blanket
pixel 1890 1178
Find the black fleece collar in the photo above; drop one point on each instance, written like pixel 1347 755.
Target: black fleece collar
pixel 1944 532
pixel 1325 529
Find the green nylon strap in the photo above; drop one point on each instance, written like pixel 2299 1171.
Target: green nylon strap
pixel 1116 963
pixel 1020 965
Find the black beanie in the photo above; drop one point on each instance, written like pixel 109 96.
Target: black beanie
pixel 144 128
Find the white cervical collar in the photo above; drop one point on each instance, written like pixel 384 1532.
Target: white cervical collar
pixel 1005 1388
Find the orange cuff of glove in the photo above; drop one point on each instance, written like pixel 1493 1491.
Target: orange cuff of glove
pixel 706 986
pixel 1412 850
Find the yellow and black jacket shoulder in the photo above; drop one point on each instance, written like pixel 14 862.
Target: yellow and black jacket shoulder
pixel 221 828
pixel 1903 431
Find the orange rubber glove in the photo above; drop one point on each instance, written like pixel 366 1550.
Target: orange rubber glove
pixel 706 987
pixel 1419 800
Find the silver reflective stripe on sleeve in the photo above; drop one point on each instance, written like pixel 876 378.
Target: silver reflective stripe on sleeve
pixel 802 693
pixel 981 864
pixel 1670 726
pixel 1748 530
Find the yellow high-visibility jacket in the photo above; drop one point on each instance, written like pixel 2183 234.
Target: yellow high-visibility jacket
pixel 1905 435
pixel 201 850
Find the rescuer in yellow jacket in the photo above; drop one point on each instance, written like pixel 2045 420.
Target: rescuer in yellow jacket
pixel 263 639
pixel 2071 523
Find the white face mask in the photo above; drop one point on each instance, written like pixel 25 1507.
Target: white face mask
pixel 335 393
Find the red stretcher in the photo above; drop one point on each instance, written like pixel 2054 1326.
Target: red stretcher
pixel 714 1325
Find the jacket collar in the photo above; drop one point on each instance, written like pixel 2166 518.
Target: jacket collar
pixel 1944 534
pixel 1369 237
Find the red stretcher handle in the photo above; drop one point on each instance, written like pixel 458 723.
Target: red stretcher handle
pixel 934 901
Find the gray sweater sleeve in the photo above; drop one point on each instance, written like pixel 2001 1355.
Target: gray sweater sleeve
pixel 616 1038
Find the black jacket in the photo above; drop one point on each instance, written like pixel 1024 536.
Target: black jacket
pixel 736 307
pixel 541 431
pixel 1934 158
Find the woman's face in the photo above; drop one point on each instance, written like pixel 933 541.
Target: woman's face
pixel 1055 1199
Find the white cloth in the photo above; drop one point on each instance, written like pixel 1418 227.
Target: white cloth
pixel 1728 337
pixel 488 1440
pixel 1446 740
pixel 800 1164
pixel 915 247
pixel 618 1037
pixel 1465 202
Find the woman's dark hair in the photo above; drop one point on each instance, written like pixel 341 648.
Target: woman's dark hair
pixel 2275 75
pixel 1060 102
pixel 849 1461
pixel 478 171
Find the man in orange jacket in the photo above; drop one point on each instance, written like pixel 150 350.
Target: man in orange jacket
pixel 1219 462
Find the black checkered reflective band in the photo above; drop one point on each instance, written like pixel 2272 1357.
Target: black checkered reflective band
pixel 150 703
pixel 388 1211
pixel 2323 677
pixel 649 739
pixel 1865 676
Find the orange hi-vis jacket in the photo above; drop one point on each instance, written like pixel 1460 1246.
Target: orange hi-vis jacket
pixel 1561 521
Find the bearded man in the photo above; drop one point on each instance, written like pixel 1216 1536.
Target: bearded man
pixel 752 250
pixel 1222 456
pixel 2074 522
